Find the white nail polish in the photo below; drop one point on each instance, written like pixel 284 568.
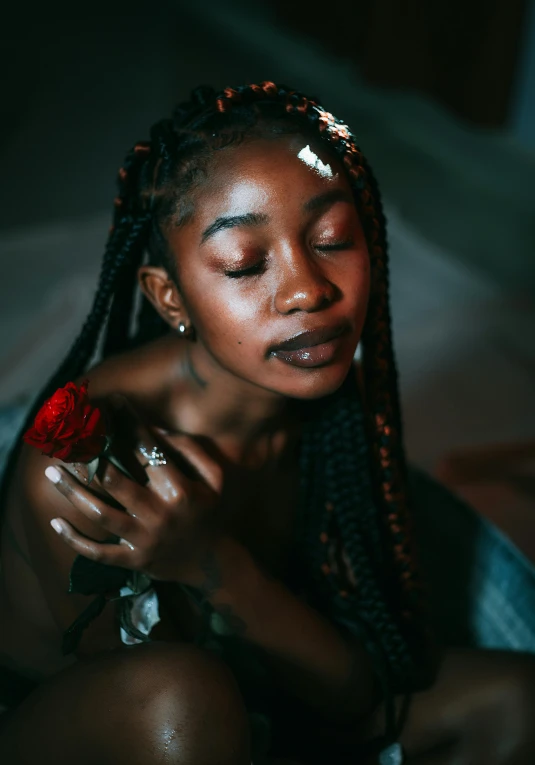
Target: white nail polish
pixel 53 474
pixel 56 525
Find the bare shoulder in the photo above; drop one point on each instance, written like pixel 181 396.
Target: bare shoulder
pixel 140 373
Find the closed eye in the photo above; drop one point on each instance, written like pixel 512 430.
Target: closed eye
pixel 335 246
pixel 251 271
pixel 257 268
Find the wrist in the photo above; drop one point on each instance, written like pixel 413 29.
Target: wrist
pixel 221 568
pixel 235 564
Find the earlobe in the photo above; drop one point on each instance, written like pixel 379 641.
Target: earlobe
pixel 162 292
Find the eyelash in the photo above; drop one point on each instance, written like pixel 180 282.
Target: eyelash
pixel 253 270
pixel 336 247
pixel 245 271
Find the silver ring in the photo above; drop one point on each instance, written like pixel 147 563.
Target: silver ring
pixel 155 458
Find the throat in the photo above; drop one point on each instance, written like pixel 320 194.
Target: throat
pixel 194 375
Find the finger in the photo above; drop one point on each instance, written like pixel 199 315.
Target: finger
pixel 164 478
pixel 122 555
pixel 206 467
pixel 78 470
pixel 116 522
pixel 130 494
pixel 123 431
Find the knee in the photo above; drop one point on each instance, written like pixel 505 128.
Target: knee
pixel 182 704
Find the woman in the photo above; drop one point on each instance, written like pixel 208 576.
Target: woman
pixel 269 524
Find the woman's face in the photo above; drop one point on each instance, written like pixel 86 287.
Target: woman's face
pixel 273 267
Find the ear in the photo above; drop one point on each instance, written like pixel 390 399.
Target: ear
pixel 161 290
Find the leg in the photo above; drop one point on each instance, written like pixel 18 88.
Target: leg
pixel 151 703
pixel 481 711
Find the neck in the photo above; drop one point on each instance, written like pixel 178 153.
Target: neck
pixel 245 420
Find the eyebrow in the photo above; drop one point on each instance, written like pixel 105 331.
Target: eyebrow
pixel 233 221
pixel 257 219
pixel 327 198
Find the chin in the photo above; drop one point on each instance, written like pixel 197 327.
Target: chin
pixel 316 382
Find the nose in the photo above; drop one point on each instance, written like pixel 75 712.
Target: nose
pixel 304 286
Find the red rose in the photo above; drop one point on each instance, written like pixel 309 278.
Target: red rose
pixel 68 427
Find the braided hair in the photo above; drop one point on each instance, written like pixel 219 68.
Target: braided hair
pixel 357 529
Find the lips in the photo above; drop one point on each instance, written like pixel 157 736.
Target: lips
pixel 311 348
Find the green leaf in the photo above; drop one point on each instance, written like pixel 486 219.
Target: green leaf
pixel 88 577
pixel 92 468
pixel 119 465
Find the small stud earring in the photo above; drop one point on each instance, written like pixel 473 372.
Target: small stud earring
pixel 182 328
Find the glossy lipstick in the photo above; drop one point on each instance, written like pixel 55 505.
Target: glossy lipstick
pixel 312 348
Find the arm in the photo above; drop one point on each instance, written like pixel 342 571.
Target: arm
pixel 309 656
pixel 36 501
pixel 174 533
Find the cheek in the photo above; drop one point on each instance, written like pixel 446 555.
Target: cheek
pixel 353 279
pixel 228 315
pixel 365 280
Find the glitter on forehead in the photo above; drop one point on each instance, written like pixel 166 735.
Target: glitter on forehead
pixel 313 161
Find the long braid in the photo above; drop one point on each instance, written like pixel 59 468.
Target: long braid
pixel 119 320
pixel 128 207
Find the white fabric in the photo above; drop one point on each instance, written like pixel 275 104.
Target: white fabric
pixel 144 614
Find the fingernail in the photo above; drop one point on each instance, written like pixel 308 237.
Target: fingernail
pixel 53 474
pixel 56 523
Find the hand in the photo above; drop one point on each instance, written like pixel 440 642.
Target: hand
pixel 168 528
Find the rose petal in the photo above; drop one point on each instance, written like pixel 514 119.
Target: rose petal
pixel 68 427
pixel 95 424
pixel 64 453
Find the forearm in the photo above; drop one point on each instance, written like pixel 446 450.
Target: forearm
pixel 308 654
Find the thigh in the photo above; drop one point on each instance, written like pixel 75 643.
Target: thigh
pixel 138 705
pixel 481 707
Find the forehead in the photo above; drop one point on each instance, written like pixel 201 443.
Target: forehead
pixel 261 173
